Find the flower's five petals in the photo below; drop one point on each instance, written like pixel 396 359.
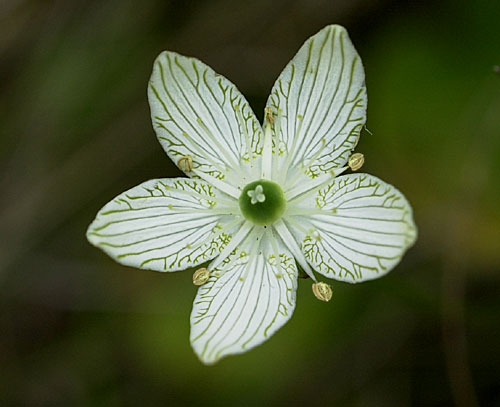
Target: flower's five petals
pixel 244 302
pixel 259 198
pixel 198 113
pixel 360 230
pixel 320 101
pixel 162 225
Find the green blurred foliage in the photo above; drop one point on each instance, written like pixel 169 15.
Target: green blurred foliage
pixel 78 329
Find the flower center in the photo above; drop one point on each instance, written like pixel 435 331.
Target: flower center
pixel 262 202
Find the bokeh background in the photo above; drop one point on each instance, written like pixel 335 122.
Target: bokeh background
pixel 77 328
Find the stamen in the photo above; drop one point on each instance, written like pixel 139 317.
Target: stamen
pixel 185 163
pixel 317 154
pixel 322 291
pixel 201 152
pixel 223 150
pixel 217 183
pixel 291 152
pixel 216 235
pixel 235 241
pixel 256 235
pixel 274 245
pixel 210 211
pixel 293 247
pixel 269 115
pixel 277 126
pixel 223 169
pixel 356 161
pixel 306 211
pixel 201 276
pixel 297 225
pixel 279 145
pixel 248 141
pixel 267 150
pixel 303 168
pixel 313 185
pixel 195 194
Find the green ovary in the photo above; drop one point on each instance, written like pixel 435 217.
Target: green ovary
pixel 262 202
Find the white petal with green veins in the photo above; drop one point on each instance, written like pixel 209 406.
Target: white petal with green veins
pixel 243 306
pixel 320 100
pixel 360 229
pixel 163 225
pixel 198 112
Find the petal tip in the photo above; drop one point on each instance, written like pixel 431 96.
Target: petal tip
pixel 90 235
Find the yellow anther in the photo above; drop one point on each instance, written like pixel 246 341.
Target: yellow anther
pixel 322 291
pixel 356 161
pixel 201 276
pixel 185 163
pixel 268 112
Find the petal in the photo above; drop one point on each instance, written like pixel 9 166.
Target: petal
pixel 198 112
pixel 320 100
pixel 360 229
pixel 243 306
pixel 163 225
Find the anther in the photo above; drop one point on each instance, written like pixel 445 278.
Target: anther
pixel 268 113
pixel 322 291
pixel 201 276
pixel 356 161
pixel 185 163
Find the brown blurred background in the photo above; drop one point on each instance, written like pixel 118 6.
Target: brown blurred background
pixel 77 328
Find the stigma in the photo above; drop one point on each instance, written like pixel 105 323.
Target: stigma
pixel 256 195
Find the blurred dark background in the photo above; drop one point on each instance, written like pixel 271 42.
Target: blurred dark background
pixel 77 328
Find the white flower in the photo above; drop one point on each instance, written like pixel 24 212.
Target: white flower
pixel 259 198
